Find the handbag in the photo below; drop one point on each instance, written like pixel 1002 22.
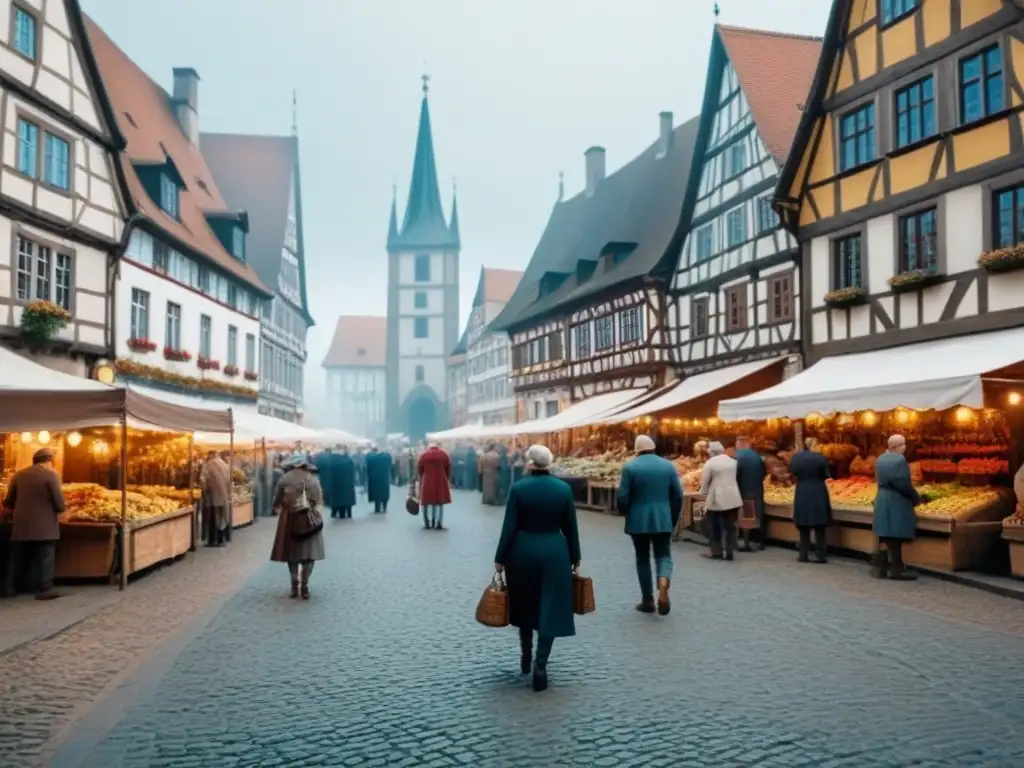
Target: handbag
pixel 306 519
pixel 412 504
pixel 583 601
pixel 748 516
pixel 492 610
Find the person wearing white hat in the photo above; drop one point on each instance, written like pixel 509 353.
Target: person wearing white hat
pixel 650 497
pixel 722 501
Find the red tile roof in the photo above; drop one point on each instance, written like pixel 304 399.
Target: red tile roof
pixel 500 284
pixel 359 341
pixel 144 116
pixel 775 71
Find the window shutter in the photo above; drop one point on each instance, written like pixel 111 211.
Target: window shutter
pixel 555 346
pixel 517 358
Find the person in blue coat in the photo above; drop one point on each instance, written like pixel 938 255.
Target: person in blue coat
pixel 472 473
pixel 812 506
pixel 895 521
pixel 750 474
pixel 538 550
pixel 378 479
pixel 324 463
pixel 651 498
pixel 343 484
pixel 504 473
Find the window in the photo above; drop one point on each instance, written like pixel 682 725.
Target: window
pixel 893 10
pixel 419 300
pixel 630 329
pixel 28 148
pixel 419 374
pixel 250 352
pixel 736 227
pixel 857 137
pixel 767 219
pixel 699 318
pixel 780 298
pixel 42 276
pixel 238 243
pixel 168 195
pixel 1008 217
pixel 918 241
pixel 205 336
pixel 422 268
pixel 232 295
pixel 232 345
pixel 582 341
pixel 915 112
pixel 736 308
pixel 705 243
pixel 57 162
pixel 603 336
pixel 737 158
pixel 24 33
pixel 981 85
pixel 140 314
pixel 420 329
pixel 551 408
pixel 173 330
pixel 846 265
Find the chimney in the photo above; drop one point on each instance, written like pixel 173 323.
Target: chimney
pixel 665 136
pixel 185 102
pixel 594 168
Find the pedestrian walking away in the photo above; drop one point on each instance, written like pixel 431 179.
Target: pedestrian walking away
pixel 343 484
pixel 538 551
pixel 894 521
pixel 750 474
pixel 298 492
pixel 378 479
pixel 812 506
pixel 490 465
pixel 434 471
pixel 722 501
pixel 34 501
pixel 215 485
pixel 650 497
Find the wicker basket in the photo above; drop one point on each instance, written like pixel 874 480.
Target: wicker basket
pixel 492 610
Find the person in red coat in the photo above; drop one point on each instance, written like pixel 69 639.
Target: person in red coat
pixel 435 472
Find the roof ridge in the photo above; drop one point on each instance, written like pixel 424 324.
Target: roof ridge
pixel 769 33
pixel 232 135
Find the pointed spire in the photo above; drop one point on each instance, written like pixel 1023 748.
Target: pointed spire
pixel 453 226
pixel 561 186
pixel 295 113
pixel 393 223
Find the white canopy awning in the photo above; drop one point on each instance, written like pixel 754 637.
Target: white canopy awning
pixel 690 388
pixel 581 414
pixel 930 375
pixel 17 372
pixel 464 432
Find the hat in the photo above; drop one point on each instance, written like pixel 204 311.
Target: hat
pixel 297 460
pixel 43 454
pixel 540 456
pixel 643 443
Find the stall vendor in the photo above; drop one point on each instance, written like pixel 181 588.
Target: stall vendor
pixel 36 501
pixel 895 522
pixel 750 473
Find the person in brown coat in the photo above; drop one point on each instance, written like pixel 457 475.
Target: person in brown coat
pixel 215 481
pixel 490 463
pixel 287 547
pixel 36 500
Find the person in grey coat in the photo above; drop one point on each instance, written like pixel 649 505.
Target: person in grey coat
pixel 722 501
pixel 750 474
pixel 895 521
pixel 651 498
pixel 812 506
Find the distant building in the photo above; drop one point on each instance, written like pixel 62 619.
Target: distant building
pixel 490 398
pixel 458 397
pixel 355 366
pixel 423 297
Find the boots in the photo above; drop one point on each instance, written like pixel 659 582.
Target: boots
pixel 540 665
pixel 820 546
pixel 525 651
pixel 295 587
pixel 898 571
pixel 664 604
pixel 880 568
pixel 805 544
pixel 307 569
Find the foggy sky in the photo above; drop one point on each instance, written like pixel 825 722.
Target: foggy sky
pixel 518 92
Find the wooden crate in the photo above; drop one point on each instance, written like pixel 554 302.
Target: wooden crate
pixel 242 514
pixel 86 550
pixel 1014 538
pixel 159 539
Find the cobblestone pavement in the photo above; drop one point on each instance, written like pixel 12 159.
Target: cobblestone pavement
pixel 762 662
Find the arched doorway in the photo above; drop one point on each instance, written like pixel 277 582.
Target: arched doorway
pixel 422 418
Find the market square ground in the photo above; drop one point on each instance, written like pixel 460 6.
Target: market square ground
pixel 762 662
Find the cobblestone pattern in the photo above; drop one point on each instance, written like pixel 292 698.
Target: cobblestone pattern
pixel 762 662
pixel 47 684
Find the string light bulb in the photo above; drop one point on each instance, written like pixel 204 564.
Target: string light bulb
pixel 1014 398
pixel 26 437
pixel 74 439
pixel 43 437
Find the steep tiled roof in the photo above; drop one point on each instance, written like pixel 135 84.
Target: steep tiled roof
pixel 256 174
pixel 775 71
pixel 152 133
pixel 359 340
pixel 496 285
pixel 638 205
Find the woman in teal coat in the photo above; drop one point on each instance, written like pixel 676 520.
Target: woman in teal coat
pixel 538 550
pixel 895 521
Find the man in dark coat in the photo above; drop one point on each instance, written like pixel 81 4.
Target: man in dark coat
pixel 812 506
pixel 458 456
pixel 471 472
pixel 651 498
pixel 895 521
pixel 324 463
pixel 750 474
pixel 36 499
pixel 378 477
pixel 343 484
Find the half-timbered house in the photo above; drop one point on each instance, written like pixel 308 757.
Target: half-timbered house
pixel 736 290
pixel 588 317
pixel 61 204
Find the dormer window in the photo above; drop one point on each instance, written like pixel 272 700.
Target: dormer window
pixel 238 243
pixel 169 196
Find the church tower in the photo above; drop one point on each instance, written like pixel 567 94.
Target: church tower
pixel 423 296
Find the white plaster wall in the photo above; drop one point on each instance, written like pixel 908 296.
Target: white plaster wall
pixel 407 301
pixel 435 376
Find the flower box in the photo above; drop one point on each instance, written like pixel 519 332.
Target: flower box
pixel 141 345
pixel 41 321
pixel 208 364
pixel 230 370
pixel 915 278
pixel 135 369
pixel 845 297
pixel 1003 260
pixel 252 376
pixel 178 355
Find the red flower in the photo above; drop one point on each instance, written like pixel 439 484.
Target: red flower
pixel 178 355
pixel 141 345
pixel 208 363
pixel 251 376
pixel 230 370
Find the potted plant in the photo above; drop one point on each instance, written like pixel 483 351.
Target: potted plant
pixel 135 369
pixel 207 363
pixel 177 355
pixel 230 370
pixel 251 376
pixel 1003 259
pixel 846 297
pixel 141 345
pixel 41 321
pixel 914 278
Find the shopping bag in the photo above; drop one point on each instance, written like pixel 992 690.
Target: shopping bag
pixel 492 610
pixel 583 600
pixel 412 504
pixel 748 516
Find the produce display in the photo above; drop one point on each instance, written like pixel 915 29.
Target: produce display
pixel 180 495
pixel 601 468
pixel 94 503
pixel 962 449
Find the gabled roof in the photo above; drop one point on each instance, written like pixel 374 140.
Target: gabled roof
pixel 775 71
pixel 257 174
pixel 496 285
pixel 153 135
pixel 359 341
pixel 639 204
